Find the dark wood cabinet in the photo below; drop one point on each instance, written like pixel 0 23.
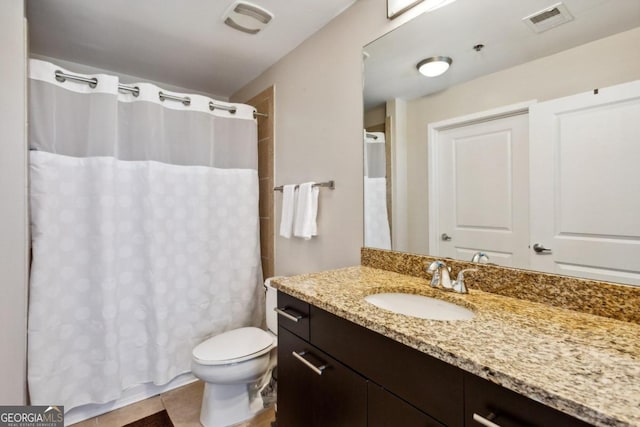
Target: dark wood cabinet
pixel 387 410
pixel 506 408
pixel 429 384
pixel 335 373
pixel 294 379
pixel 293 315
pixel 329 395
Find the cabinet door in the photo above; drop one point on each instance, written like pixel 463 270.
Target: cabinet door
pixel 387 410
pixel 506 408
pixel 316 390
pixel 294 383
pixel 429 384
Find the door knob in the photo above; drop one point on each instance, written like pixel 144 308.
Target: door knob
pixel 445 237
pixel 540 249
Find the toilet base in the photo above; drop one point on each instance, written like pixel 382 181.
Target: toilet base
pixel 227 404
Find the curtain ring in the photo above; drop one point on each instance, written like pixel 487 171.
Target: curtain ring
pixel 62 77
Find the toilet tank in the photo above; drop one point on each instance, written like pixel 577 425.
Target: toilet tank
pixel 271 301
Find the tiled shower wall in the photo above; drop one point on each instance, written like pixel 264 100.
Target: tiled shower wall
pixel 264 103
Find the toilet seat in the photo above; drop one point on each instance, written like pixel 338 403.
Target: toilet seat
pixel 233 346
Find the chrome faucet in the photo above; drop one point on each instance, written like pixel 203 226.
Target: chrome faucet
pixel 440 273
pixel 440 277
pixel 480 258
pixel 458 284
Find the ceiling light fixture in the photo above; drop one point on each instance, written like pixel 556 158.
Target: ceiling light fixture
pixel 434 66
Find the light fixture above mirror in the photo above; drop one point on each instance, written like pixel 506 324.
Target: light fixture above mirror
pixel 397 7
pixel 434 66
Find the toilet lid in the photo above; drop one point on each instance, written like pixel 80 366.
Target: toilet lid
pixel 233 346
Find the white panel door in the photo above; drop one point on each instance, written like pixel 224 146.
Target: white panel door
pixel 483 191
pixel 585 184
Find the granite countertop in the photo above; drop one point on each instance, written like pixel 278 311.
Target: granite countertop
pixel 584 365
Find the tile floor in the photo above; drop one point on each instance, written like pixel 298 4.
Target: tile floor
pixel 182 404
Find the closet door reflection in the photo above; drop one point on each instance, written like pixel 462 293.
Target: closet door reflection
pixel 480 174
pixel 584 196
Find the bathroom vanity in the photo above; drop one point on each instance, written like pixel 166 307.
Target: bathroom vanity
pixel 345 362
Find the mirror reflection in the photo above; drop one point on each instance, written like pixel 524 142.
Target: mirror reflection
pixel 376 203
pixel 525 149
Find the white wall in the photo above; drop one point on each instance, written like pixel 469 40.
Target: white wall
pixel 318 132
pixel 605 62
pixel 13 210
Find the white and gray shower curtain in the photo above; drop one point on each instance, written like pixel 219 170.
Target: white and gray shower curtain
pixel 145 234
pixel 377 233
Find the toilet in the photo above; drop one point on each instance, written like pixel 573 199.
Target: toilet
pixel 234 365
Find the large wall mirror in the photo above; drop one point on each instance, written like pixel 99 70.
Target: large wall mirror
pixel 526 149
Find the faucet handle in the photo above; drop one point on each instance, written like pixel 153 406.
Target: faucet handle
pixel 434 269
pixel 440 272
pixel 458 285
pixel 480 257
pixel 435 265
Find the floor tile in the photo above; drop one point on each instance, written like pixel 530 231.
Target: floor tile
pixel 91 422
pixel 261 419
pixel 183 404
pixel 131 413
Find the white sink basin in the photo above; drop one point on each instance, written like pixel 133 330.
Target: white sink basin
pixel 419 306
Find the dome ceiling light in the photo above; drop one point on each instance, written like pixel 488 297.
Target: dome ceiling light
pixel 434 66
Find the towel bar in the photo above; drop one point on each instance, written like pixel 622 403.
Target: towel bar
pixel 329 184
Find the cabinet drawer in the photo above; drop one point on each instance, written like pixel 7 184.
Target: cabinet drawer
pixel 317 390
pixel 432 386
pixel 508 409
pixel 293 315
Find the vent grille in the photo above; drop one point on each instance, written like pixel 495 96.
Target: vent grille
pixel 254 12
pixel 548 18
pixel 545 15
pixel 247 17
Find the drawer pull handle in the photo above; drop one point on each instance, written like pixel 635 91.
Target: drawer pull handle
pixel 294 317
pixel 485 421
pixel 317 369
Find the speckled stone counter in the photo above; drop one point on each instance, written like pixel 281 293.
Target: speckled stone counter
pixel 621 302
pixel 585 365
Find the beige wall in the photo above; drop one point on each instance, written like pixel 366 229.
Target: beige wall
pixel 602 63
pixel 13 211
pixel 318 134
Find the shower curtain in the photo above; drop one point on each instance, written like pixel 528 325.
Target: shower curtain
pixel 145 234
pixel 377 233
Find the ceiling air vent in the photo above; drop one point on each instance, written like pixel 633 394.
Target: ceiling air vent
pixel 548 18
pixel 247 17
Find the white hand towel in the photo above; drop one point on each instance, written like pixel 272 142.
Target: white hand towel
pixel 288 208
pixel 304 224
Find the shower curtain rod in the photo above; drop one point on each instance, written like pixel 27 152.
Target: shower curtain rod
pixel 135 91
